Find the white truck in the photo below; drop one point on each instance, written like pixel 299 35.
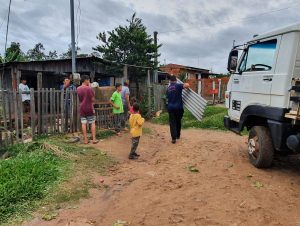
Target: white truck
pixel 263 94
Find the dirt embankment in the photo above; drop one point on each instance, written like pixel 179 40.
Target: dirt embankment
pixel 161 189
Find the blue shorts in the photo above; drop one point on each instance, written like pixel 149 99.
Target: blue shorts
pixel 88 119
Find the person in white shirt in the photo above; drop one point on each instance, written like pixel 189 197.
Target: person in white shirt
pixel 125 93
pixel 25 96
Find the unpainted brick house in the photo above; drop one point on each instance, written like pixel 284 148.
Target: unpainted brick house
pixel 187 71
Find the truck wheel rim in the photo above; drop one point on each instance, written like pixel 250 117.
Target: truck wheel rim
pixel 253 146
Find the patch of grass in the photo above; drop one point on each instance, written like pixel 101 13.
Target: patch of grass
pixel 93 159
pixel 146 131
pixel 163 119
pixel 70 194
pixel 26 178
pixel 104 134
pixel 213 119
pixel 46 172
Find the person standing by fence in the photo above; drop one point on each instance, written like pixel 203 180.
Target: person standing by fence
pixel 67 85
pixel 87 113
pixel 23 87
pixel 116 102
pixel 125 93
pixel 175 107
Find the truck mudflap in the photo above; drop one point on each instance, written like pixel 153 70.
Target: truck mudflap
pixel 231 125
pixel 280 131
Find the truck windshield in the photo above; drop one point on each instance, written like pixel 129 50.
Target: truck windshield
pixel 259 56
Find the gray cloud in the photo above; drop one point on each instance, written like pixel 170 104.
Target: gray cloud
pixel 204 29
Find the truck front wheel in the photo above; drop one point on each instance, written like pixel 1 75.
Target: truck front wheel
pixel 260 147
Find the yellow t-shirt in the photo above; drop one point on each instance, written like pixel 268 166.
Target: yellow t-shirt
pixel 136 122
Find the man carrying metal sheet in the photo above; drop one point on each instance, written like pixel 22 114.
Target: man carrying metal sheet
pixel 175 107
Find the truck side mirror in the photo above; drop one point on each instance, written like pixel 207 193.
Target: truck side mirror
pixel 233 60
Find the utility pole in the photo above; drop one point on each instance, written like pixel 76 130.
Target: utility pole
pixel 155 59
pixel 73 37
pixel 7 31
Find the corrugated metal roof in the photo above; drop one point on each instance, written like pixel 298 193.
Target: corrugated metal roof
pixel 193 102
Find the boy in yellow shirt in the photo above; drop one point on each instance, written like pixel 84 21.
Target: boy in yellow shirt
pixel 136 122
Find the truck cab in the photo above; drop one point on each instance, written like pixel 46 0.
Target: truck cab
pixel 263 94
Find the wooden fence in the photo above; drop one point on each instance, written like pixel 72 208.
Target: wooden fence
pixel 49 112
pixel 159 96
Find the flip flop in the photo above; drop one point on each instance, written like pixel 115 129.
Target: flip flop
pixel 96 142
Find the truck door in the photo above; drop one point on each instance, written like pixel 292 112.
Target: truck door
pixel 252 84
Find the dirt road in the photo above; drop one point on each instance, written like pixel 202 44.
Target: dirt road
pixel 159 189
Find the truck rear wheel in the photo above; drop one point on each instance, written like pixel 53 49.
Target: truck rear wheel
pixel 260 147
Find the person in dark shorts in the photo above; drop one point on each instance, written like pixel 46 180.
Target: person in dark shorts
pixel 175 107
pixel 87 113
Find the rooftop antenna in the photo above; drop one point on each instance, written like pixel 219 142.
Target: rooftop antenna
pixel 233 43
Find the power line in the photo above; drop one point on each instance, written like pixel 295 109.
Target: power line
pixel 235 20
pixel 8 15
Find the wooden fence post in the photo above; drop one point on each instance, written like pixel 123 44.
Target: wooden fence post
pixel 220 90
pixel 4 102
pixel 16 114
pixel 199 87
pixel 149 92
pixel 47 118
pixel 10 111
pixel 62 111
pixel 39 80
pixel 32 112
pixel 51 111
pixel 70 104
pixel 20 114
pixel 214 88
pixel 19 74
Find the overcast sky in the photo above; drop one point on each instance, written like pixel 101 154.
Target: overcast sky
pixel 193 32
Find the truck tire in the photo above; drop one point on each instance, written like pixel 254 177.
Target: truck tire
pixel 260 147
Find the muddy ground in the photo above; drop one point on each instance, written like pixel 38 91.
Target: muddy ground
pixel 160 189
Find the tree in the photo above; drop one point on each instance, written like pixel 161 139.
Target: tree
pixel 37 53
pixel 68 54
pixel 128 44
pixel 14 53
pixel 52 55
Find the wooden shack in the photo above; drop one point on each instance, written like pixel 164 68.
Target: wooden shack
pixel 50 73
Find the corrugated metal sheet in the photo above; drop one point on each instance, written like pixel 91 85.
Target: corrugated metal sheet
pixel 193 102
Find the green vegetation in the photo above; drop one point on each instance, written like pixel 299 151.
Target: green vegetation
pixel 25 178
pixel 104 134
pixel 146 131
pixel 213 119
pixel 48 172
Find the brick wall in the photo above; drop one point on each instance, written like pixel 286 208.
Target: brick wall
pixel 207 87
